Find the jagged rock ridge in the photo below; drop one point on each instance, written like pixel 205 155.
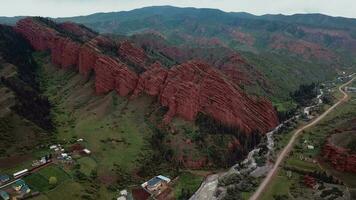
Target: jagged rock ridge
pixel 341 158
pixel 186 89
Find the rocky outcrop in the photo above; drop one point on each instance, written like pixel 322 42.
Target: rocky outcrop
pixel 133 54
pixel 342 159
pixel 196 87
pixel 187 89
pixel 65 52
pixel 39 36
pixel 87 59
pixel 152 80
pixel 113 75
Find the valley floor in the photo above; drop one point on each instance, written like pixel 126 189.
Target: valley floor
pixel 117 131
pixel 289 182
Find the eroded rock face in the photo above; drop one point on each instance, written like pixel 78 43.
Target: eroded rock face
pixel 185 89
pixel 340 158
pixel 152 80
pixel 113 75
pixel 65 52
pixel 132 53
pixel 39 36
pixel 196 87
pixel 87 59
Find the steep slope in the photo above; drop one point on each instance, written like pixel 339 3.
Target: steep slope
pixel 25 121
pixel 186 89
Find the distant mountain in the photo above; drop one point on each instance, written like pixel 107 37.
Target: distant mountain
pixel 318 20
pixel 10 20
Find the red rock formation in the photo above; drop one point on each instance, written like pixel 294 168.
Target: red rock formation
pixel 87 59
pixel 132 53
pixel 185 89
pixel 340 158
pixel 111 74
pixel 39 36
pixel 310 181
pixel 196 87
pixel 89 52
pixel 65 52
pixel 152 80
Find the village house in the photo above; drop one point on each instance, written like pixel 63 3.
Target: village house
pixel 156 185
pixel 20 173
pixel 4 178
pixel 4 195
pixel 20 188
pixel 42 161
pixel 86 151
pixel 350 89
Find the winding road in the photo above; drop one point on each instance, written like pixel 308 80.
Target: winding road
pixel 262 187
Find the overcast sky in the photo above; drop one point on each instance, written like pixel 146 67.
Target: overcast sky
pixel 61 8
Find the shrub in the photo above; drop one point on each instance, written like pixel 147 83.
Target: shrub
pixel 52 180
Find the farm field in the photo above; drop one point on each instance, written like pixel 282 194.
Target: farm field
pixel 187 183
pixel 111 129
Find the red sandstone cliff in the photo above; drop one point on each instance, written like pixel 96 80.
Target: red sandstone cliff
pixel 340 158
pixel 186 89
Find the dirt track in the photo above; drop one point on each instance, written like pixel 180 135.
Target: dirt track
pixel 262 187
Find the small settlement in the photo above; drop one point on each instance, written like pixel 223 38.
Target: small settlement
pixel 15 187
pixel 350 89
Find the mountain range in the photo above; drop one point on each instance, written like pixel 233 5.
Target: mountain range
pixel 157 89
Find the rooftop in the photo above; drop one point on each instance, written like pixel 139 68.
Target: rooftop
pixel 154 181
pixel 4 195
pixel 4 178
pixel 158 179
pixel 19 183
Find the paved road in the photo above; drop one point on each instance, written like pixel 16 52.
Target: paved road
pixel 207 189
pixel 7 184
pixel 262 187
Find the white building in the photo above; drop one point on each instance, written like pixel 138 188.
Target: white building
pixel 87 151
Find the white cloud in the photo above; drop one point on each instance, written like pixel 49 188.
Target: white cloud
pixel 56 8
